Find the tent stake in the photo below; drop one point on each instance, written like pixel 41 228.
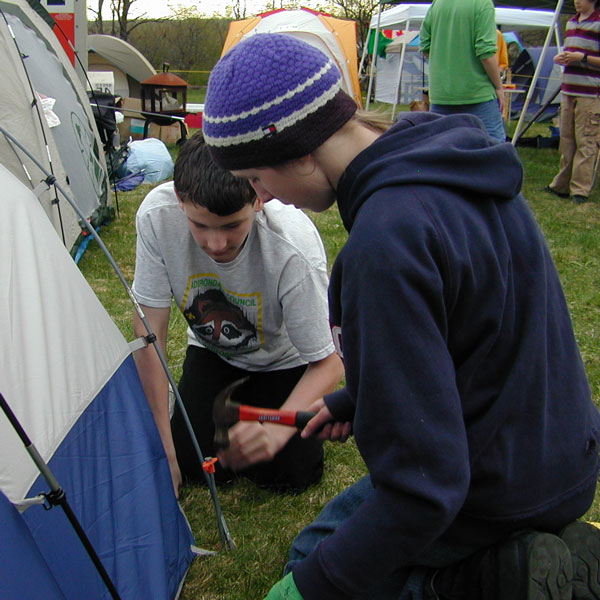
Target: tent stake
pixel 57 496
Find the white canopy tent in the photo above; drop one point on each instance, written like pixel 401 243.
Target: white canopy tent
pixel 517 18
pixel 410 16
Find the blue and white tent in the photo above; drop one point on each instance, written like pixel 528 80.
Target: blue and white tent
pixel 69 377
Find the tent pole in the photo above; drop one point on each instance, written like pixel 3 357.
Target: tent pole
pixel 400 66
pixel 57 496
pixel 363 56
pixel 139 112
pixel 540 111
pixel 536 74
pixel 150 338
pixel 374 59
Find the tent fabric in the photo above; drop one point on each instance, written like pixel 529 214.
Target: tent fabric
pixel 21 558
pixel 35 66
pixel 415 73
pixel 548 82
pixel 70 379
pixel 335 37
pixel 129 66
pixel 542 4
pixel 74 136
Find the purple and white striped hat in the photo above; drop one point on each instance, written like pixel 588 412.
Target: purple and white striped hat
pixel 272 98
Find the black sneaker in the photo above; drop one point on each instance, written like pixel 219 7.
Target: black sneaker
pixel 556 193
pixel 583 541
pixel 579 199
pixel 526 566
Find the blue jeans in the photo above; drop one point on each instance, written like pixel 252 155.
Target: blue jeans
pixel 407 583
pixel 488 112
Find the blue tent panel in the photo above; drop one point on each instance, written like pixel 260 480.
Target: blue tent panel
pixel 522 76
pixel 510 37
pixel 114 458
pixel 24 574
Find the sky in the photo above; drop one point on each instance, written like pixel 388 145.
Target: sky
pixel 155 9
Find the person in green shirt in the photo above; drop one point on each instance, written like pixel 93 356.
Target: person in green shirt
pixel 459 39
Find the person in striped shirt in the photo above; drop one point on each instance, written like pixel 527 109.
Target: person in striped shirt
pixel 580 105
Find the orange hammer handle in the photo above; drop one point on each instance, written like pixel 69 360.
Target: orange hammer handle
pixel 268 415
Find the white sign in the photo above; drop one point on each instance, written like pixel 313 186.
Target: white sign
pixel 102 81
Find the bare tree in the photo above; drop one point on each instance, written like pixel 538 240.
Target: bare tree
pixel 236 10
pixel 122 25
pixel 97 25
pixel 360 11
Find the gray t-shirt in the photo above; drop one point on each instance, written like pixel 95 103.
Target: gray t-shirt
pixel 265 310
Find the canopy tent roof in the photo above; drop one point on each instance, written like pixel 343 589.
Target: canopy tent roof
pixel 516 18
pixel 539 4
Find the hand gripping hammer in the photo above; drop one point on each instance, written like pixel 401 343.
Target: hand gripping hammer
pixel 226 413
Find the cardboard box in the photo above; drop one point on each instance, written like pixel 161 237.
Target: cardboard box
pixel 133 124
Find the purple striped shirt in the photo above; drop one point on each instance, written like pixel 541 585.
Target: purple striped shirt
pixel 582 36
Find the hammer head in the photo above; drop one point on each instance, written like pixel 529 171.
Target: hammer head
pixel 226 413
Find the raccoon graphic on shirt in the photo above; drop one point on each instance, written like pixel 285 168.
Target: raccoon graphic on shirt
pixel 222 321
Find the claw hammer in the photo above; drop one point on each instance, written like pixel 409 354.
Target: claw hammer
pixel 226 413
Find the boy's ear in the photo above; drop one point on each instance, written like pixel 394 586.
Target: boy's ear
pixel 258 204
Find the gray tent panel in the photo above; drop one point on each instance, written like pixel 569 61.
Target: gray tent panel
pixel 74 136
pixel 35 64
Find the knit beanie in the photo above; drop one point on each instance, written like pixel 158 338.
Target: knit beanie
pixel 272 98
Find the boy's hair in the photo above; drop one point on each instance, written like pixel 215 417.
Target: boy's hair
pixel 200 181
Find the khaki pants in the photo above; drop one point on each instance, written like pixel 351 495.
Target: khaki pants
pixel 579 145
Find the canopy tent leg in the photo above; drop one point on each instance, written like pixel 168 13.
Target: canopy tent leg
pixel 399 83
pixel 372 70
pixel 518 131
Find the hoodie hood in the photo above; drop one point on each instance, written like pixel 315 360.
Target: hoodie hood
pixel 423 148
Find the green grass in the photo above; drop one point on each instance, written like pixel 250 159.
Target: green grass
pixel 262 523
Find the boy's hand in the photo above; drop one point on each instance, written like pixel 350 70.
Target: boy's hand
pixel 324 426
pixel 251 443
pixel 284 589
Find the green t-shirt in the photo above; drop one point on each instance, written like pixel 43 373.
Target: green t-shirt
pixel 457 34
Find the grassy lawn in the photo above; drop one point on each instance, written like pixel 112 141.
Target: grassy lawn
pixel 263 523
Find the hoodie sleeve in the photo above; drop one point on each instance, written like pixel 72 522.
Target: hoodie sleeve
pixel 408 425
pixel 340 405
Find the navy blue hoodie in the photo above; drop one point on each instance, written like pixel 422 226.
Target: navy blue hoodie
pixel 467 392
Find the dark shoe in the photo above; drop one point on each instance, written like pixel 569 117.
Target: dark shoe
pixel 526 566
pixel 583 541
pixel 553 191
pixel 579 199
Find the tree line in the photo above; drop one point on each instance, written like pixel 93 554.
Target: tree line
pixel 190 41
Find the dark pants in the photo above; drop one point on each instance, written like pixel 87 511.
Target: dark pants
pixel 298 465
pixel 464 537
